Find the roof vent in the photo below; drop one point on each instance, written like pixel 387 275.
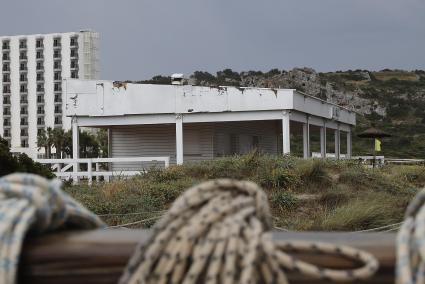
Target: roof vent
pixel 177 79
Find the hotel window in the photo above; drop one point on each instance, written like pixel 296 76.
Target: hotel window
pixel 39 55
pixel 56 54
pixel 58 76
pixel 24 132
pixel 5 44
pixel 6 133
pixel 58 120
pixel 40 110
pixel 39 43
pixel 24 142
pixel 22 55
pixel 39 66
pixel 73 41
pixel 74 74
pixel 73 52
pixel 56 42
pixel 57 65
pixel 40 120
pixel 40 99
pixel 57 87
pixel 6 111
pixel 24 121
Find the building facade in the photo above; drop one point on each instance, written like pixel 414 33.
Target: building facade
pixel 185 123
pixel 32 69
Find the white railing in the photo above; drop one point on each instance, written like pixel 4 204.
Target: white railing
pixel 405 161
pixel 70 168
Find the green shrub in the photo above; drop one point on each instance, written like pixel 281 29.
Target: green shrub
pixel 314 175
pixel 364 213
pixel 283 200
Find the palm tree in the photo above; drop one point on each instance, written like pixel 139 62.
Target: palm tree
pixel 42 142
pixel 58 141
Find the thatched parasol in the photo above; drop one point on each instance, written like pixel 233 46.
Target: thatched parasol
pixel 373 133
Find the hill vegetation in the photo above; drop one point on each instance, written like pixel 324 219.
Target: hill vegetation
pixel 392 100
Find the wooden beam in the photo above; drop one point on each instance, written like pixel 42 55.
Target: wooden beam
pixel 99 256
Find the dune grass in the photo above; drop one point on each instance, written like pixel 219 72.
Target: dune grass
pixel 303 194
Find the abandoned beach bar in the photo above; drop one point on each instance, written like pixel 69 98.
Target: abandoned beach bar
pixel 188 123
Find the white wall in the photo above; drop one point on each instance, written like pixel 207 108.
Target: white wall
pixel 201 141
pixel 144 99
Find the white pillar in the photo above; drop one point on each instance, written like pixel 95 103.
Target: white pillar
pixel 75 148
pixel 306 139
pixel 337 143
pixel 349 144
pixel 286 136
pixel 179 139
pixel 323 140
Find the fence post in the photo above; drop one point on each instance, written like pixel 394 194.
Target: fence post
pixel 90 171
pixel 97 171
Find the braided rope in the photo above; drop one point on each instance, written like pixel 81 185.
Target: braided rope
pixel 411 244
pixel 218 232
pixel 32 203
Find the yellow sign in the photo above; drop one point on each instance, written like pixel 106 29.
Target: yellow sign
pixel 377 145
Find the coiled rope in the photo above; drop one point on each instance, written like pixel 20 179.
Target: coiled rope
pixel 218 232
pixel 32 204
pixel 411 244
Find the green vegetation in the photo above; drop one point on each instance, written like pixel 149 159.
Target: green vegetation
pixel 20 163
pixel 303 194
pixel 92 145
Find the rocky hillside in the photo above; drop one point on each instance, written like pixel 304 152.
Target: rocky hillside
pixel 393 100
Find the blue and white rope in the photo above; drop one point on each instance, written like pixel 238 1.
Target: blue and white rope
pixel 30 203
pixel 411 244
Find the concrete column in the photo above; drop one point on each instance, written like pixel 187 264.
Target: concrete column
pixel 349 144
pixel 306 139
pixel 337 143
pixel 179 139
pixel 286 136
pixel 323 140
pixel 75 148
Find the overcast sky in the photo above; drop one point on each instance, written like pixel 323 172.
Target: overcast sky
pixel 140 38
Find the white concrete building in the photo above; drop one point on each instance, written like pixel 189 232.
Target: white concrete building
pixel 191 123
pixel 31 80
